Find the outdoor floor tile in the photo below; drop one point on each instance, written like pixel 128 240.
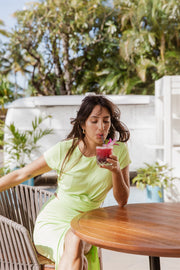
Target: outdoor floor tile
pixel 123 261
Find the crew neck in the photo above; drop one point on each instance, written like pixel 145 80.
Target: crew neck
pixel 84 155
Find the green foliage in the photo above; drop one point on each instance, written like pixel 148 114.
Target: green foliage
pixel 150 39
pixel 4 170
pixel 22 144
pixel 6 94
pixel 78 46
pixel 154 175
pixel 60 41
pixel 1 133
pixel 2 31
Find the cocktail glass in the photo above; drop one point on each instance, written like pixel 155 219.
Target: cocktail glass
pixel 102 153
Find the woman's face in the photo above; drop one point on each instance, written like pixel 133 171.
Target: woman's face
pixel 97 125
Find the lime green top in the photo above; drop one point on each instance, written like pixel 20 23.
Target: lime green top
pixel 82 178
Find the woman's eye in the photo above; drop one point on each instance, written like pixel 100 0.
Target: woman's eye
pixel 105 122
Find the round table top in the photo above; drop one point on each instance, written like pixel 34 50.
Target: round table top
pixel 151 229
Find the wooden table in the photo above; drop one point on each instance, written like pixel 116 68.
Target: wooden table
pixel 151 229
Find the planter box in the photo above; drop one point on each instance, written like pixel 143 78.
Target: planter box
pixel 29 182
pixel 153 194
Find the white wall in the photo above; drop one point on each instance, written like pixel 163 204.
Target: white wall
pixel 137 112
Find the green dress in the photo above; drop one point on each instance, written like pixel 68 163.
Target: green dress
pixel 82 186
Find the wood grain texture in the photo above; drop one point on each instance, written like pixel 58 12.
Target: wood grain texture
pixel 45 263
pixel 151 229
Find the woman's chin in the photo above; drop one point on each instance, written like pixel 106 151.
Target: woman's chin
pixel 99 141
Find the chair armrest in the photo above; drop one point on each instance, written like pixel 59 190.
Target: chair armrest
pixel 22 204
pixel 16 246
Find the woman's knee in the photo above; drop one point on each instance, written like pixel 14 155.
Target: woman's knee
pixel 87 247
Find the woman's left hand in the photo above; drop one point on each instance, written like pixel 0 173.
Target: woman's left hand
pixel 113 165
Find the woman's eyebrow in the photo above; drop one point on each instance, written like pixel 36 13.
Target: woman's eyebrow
pixel 95 116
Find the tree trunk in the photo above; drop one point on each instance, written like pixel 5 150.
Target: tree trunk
pixel 67 75
pixel 162 46
pixel 58 70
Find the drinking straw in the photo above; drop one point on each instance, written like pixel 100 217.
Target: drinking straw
pixel 102 138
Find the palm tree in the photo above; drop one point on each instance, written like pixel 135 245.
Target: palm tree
pixel 150 37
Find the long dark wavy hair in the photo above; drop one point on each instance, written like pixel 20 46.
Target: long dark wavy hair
pixel 117 128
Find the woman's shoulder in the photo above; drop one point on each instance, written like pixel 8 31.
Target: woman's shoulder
pixel 65 144
pixel 60 146
pixel 120 147
pixel 118 143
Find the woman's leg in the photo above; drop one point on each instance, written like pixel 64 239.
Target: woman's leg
pixel 87 248
pixel 73 256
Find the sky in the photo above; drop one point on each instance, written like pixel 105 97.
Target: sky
pixel 7 8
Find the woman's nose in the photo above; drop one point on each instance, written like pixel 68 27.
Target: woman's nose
pixel 101 125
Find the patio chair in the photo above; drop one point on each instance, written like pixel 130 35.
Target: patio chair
pixel 19 207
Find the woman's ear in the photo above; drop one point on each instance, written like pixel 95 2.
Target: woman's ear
pixel 83 126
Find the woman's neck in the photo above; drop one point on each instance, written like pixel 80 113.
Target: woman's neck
pixel 87 149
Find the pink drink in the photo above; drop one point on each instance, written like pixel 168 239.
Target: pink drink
pixel 102 153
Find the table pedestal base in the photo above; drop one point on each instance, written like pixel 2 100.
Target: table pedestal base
pixel 154 263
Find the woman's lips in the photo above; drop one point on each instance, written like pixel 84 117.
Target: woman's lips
pixel 100 136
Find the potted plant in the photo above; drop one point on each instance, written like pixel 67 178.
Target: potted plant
pixel 21 145
pixel 155 178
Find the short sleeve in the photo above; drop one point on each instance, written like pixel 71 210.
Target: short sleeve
pixel 121 151
pixel 53 156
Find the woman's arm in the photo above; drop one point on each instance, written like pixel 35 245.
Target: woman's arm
pixel 16 177
pixel 120 180
pixel 121 186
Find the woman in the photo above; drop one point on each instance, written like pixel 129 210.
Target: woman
pixel 82 184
